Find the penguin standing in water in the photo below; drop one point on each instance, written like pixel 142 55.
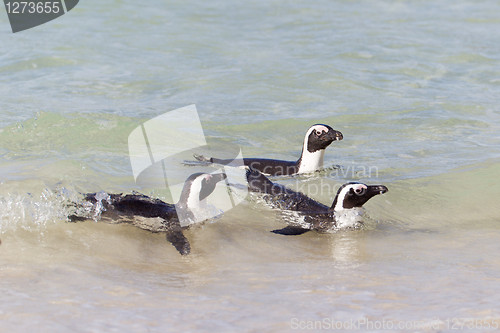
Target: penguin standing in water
pixel 153 214
pixel 310 214
pixel 317 138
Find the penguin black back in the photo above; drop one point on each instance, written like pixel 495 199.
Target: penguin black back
pixel 312 215
pixel 154 214
pixel 318 137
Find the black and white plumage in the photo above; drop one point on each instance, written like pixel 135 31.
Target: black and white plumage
pixel 154 214
pixel 308 213
pixel 318 137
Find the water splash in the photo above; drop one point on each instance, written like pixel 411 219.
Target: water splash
pixel 33 212
pixel 88 209
pixel 349 218
pixel 99 206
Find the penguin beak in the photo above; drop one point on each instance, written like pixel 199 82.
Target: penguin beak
pixel 374 190
pixel 371 191
pixel 334 135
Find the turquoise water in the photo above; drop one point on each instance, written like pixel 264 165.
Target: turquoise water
pixel 412 85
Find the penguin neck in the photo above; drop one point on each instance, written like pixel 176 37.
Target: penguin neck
pixel 345 217
pixel 310 162
pixel 190 198
pixel 195 205
pixel 192 209
pixel 192 202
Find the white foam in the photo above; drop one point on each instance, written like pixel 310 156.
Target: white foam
pixel 32 212
pixel 349 218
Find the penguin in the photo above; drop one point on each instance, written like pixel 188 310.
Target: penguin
pixel 308 214
pixel 154 214
pixel 317 138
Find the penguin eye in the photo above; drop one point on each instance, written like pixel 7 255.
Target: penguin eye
pixel 318 133
pixel 360 191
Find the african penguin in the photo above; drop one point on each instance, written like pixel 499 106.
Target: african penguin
pixel 317 138
pixel 309 214
pixel 153 214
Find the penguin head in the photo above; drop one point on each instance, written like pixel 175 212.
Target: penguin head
pixel 198 187
pixel 208 183
pixel 353 195
pixel 320 136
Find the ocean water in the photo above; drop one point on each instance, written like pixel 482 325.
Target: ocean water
pixel 413 86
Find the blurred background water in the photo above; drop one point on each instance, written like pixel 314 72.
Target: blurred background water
pixel 412 85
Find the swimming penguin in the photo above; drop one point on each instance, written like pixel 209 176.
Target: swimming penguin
pixel 309 214
pixel 317 138
pixel 153 214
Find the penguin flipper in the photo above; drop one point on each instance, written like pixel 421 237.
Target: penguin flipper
pixel 290 231
pixel 201 158
pixel 179 241
pixel 200 161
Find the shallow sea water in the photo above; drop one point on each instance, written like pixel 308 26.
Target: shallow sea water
pixel 412 85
